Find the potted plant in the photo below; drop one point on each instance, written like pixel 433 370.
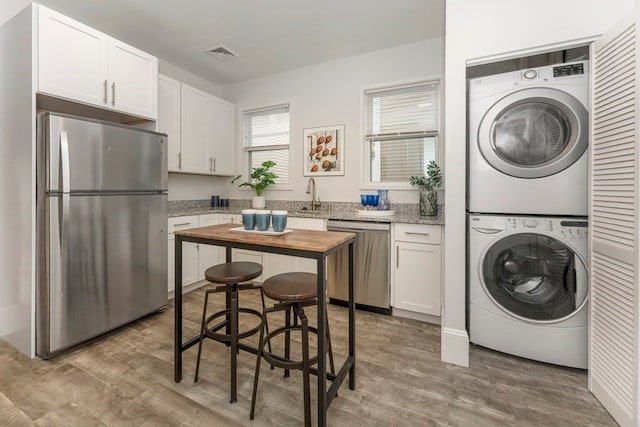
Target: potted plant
pixel 428 205
pixel 261 178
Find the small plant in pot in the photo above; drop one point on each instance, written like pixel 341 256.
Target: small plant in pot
pixel 428 200
pixel 261 178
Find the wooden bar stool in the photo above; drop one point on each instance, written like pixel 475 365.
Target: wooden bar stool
pixel 294 291
pixel 229 276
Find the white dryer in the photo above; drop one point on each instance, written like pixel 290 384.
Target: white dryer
pixel 528 287
pixel 528 139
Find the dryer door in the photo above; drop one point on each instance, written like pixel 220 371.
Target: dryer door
pixel 534 277
pixel 534 132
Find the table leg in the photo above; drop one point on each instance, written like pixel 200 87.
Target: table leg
pixel 178 311
pixel 322 343
pixel 352 321
pixel 234 342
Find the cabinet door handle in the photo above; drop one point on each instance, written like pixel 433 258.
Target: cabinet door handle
pixel 397 256
pixel 113 93
pixel 181 224
pixel 210 164
pixel 105 84
pixel 214 164
pixel 179 160
pixel 415 233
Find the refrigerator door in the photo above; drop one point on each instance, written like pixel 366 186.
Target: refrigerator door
pixel 106 265
pixel 102 157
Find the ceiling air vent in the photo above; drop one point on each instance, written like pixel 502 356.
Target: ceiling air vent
pixel 221 53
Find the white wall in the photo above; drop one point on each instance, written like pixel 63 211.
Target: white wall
pixel 17 184
pixel 330 94
pixel 8 8
pixel 184 76
pixel 476 30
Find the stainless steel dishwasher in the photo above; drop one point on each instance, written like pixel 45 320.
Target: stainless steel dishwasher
pixel 371 266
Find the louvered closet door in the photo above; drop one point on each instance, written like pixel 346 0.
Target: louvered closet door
pixel 613 365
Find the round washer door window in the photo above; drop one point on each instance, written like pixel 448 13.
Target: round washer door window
pixel 534 133
pixel 534 277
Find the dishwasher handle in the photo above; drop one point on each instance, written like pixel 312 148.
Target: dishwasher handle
pixel 336 225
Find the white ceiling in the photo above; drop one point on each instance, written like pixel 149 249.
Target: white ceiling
pixel 270 36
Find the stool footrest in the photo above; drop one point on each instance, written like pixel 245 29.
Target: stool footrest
pixel 226 337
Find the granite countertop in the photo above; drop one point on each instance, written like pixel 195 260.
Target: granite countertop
pixel 405 213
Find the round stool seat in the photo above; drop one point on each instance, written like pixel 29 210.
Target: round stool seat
pixel 233 272
pixel 288 287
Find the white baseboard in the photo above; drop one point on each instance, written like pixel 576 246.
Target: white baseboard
pixel 416 316
pixel 188 288
pixel 454 346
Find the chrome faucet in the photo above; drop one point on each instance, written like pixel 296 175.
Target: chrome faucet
pixel 311 189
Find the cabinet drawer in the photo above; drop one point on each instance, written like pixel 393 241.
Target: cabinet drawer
pixel 182 223
pixel 418 233
pixel 208 219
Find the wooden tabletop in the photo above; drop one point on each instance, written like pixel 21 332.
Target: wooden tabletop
pixel 305 240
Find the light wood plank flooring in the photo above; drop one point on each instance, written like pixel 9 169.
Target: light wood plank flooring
pixel 126 378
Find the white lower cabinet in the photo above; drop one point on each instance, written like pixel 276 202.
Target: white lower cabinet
pixel 189 252
pixel 417 269
pixel 208 255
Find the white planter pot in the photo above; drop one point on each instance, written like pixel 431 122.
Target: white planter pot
pixel 258 202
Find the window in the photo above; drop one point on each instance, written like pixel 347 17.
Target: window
pixel 266 137
pixel 401 131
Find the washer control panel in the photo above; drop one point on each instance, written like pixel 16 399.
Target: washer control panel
pixel 568 229
pixel 574 230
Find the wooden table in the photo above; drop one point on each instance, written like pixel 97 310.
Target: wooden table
pixel 301 243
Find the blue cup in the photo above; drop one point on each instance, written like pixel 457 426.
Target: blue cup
pixel 249 219
pixel 279 220
pixel 263 218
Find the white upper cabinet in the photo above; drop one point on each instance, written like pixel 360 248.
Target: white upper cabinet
pixel 81 64
pixel 169 118
pixel 72 59
pixel 224 114
pixel 201 129
pixel 133 80
pixel 196 131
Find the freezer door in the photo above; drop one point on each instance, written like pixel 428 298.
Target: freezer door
pixel 107 265
pixel 97 156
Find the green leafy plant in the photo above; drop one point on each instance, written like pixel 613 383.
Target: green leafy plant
pixel 261 178
pixel 432 180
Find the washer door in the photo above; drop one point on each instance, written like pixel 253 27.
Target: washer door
pixel 533 133
pixel 534 277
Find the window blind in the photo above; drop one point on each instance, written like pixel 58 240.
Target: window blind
pixel 401 130
pixel 409 110
pixel 267 138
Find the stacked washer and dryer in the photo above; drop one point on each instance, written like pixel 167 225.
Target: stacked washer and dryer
pixel 527 202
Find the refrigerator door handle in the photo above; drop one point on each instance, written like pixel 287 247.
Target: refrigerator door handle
pixel 64 160
pixel 64 168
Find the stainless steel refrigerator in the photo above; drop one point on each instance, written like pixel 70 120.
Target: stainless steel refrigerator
pixel 101 228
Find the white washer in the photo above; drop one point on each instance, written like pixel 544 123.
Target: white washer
pixel 528 139
pixel 528 287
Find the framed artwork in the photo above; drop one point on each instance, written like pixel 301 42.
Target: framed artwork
pixel 324 151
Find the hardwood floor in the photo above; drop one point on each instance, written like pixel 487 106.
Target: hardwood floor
pixel 126 378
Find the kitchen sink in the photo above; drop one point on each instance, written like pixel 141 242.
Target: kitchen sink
pixel 306 212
